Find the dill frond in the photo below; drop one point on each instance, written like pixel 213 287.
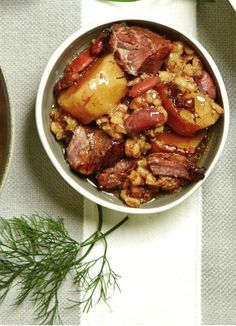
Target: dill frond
pixel 37 253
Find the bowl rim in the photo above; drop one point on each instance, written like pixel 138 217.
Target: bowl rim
pixel 52 157
pixel 10 114
pixel 233 4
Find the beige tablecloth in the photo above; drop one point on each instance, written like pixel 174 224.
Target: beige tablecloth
pixel 30 31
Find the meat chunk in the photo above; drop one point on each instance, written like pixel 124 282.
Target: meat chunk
pixel 144 86
pixel 115 176
pixel 175 165
pixel 206 85
pixel 91 150
pixel 75 68
pixel 73 71
pixel 100 43
pixel 139 50
pixel 143 119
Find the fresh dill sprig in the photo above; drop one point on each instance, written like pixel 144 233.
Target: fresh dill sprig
pixel 37 254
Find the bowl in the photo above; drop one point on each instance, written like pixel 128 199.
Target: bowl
pixel 233 4
pixel 80 40
pixel 6 131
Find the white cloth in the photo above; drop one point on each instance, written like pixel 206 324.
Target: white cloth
pixel 158 256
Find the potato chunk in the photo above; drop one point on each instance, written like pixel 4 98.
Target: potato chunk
pixel 97 93
pixel 187 143
pixel 207 112
pixel 186 122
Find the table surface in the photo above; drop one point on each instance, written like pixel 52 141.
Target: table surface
pixel 30 32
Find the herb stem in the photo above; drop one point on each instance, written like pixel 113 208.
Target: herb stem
pixel 92 239
pixel 37 253
pixel 102 235
pixel 100 217
pixel 116 226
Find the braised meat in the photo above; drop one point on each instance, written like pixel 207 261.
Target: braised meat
pixel 132 111
pixel 91 150
pixel 206 85
pixel 143 86
pixel 115 176
pixel 175 165
pixel 138 49
pixel 143 119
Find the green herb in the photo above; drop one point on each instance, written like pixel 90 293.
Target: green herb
pixel 37 253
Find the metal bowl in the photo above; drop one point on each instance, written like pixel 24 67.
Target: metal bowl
pixel 6 131
pixel 80 40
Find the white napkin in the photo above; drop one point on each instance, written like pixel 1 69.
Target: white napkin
pixel 158 256
pixel 178 13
